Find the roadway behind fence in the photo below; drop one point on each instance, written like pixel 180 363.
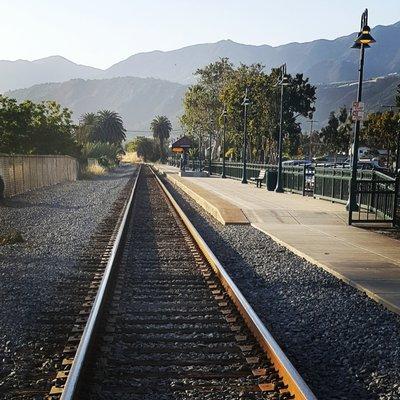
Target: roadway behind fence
pixel 22 173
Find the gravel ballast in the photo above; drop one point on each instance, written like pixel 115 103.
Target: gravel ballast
pixel 40 274
pixel 343 344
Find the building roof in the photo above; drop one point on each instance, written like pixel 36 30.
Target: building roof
pixel 184 143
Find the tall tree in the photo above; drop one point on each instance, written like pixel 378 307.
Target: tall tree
pixel 30 128
pixel 335 136
pixel 329 133
pixel 202 102
pixel 221 85
pixel 161 128
pixel 108 128
pixel 86 129
pixel 380 131
pixel 145 148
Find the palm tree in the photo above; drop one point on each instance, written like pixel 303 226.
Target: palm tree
pixel 110 127
pixel 161 128
pixel 87 125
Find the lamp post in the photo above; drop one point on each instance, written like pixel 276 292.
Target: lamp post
pixel 199 152
pixel 245 104
pixel 209 155
pixel 224 115
pixel 362 42
pixel 398 152
pixel 283 81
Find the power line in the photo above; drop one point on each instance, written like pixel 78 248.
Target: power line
pixel 148 131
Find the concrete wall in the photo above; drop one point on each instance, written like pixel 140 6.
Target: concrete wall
pixel 23 173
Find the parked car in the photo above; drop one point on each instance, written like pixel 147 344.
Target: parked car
pixel 371 164
pixel 290 163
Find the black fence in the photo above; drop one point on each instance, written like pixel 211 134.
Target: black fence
pixel 377 194
pixel 376 199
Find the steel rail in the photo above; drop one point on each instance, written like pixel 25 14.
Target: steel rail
pixel 296 385
pixel 74 374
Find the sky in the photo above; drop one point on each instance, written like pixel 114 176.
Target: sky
pixel 102 32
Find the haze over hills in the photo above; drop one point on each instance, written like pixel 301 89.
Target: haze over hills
pixel 377 92
pixel 324 61
pixel 136 99
pixel 153 83
pixel 139 99
pixel 22 73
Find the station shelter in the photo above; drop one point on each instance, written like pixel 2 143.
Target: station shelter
pixel 182 146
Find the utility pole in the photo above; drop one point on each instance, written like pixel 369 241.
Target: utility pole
pixel 224 115
pixel 311 122
pixel 245 104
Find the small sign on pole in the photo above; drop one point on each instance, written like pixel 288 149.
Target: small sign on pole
pixel 357 111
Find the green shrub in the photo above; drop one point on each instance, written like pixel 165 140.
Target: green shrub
pixel 106 153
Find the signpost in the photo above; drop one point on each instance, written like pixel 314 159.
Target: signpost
pixel 357 111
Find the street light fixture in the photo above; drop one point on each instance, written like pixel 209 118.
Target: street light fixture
pixel 245 104
pixel 224 115
pixel 283 81
pixel 363 40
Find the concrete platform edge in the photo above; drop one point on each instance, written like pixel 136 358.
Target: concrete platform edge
pixel 390 306
pixel 205 204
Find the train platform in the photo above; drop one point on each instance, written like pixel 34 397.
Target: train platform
pixel 314 229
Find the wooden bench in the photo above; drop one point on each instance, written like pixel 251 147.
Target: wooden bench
pixel 261 176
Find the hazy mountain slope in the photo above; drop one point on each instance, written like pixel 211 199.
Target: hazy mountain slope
pixel 377 92
pixel 137 100
pixel 323 60
pixel 22 73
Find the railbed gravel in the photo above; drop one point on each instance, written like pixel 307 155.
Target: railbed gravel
pixel 343 344
pixel 38 276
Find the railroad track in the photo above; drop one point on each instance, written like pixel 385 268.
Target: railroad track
pixel 167 321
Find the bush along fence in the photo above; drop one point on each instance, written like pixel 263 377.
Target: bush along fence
pixel 21 173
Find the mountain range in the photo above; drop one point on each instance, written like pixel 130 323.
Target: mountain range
pixel 139 99
pixel 324 61
pixel 152 83
pixel 22 74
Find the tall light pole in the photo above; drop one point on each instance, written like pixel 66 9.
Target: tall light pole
pixel 283 81
pixel 363 40
pixel 245 104
pixel 200 151
pixel 210 143
pixel 397 172
pixel 224 115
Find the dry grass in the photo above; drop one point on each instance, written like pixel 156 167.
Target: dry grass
pixel 131 158
pixel 11 237
pixel 93 170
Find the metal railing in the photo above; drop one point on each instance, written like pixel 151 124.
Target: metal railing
pixel 376 192
pixel 376 199
pixel 235 169
pixel 333 183
pixel 378 195
pixel 293 179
